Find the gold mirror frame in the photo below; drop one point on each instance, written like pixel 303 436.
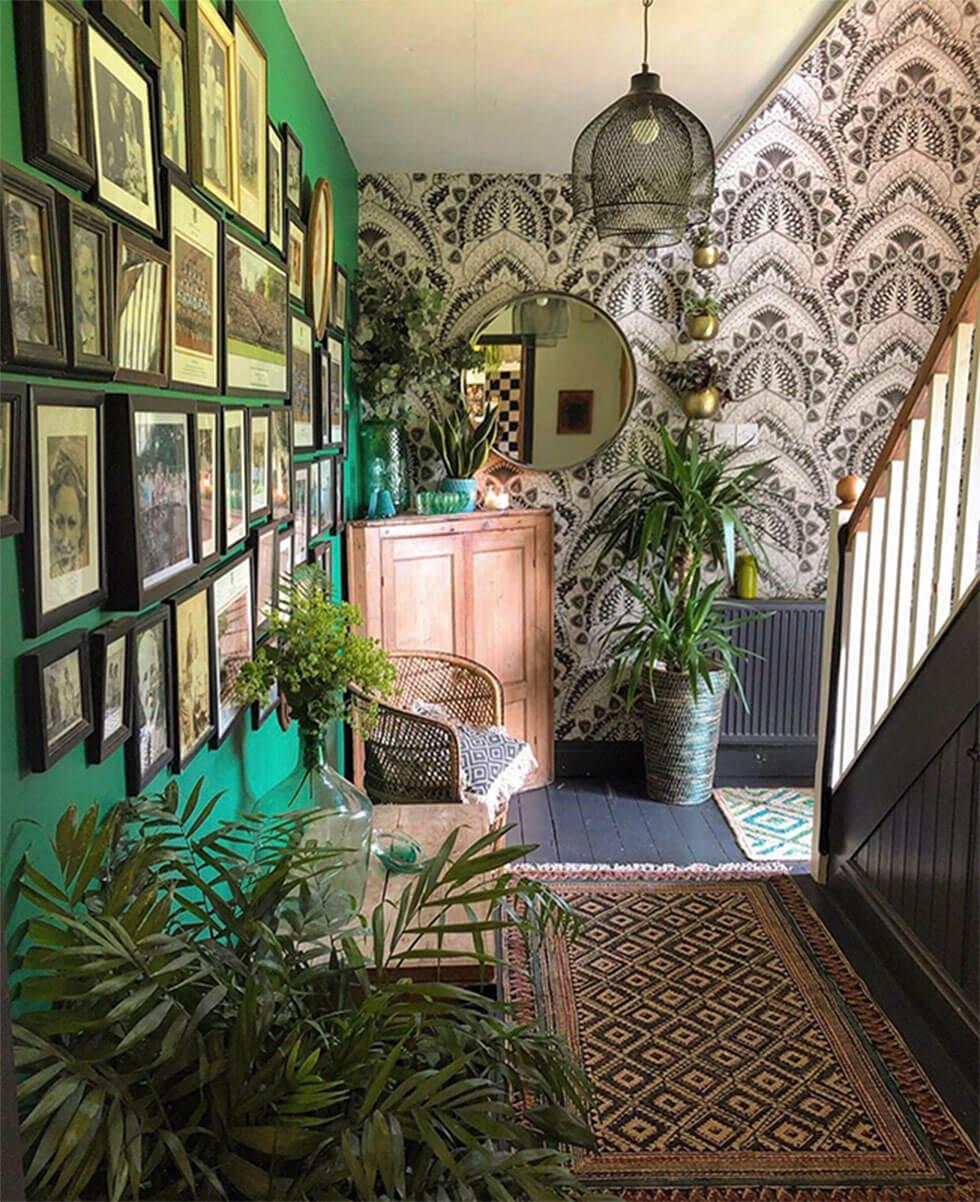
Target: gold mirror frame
pixel 320 225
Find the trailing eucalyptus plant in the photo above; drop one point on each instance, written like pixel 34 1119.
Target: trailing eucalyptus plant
pixel 202 1038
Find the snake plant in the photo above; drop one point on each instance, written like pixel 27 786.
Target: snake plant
pixel 463 448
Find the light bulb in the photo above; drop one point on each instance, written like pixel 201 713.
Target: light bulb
pixel 645 129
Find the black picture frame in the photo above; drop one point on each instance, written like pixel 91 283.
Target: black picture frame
pixel 339 299
pixel 285 548
pixel 263 710
pixel 42 753
pixel 199 13
pixel 100 640
pixel 129 247
pixel 293 151
pixel 130 583
pixel 138 773
pixel 301 520
pixel 185 752
pixel 321 556
pixel 307 444
pixel 19 348
pixel 174 29
pixel 340 519
pixel 275 202
pixel 207 550
pixel 328 493
pixel 281 440
pixel 296 233
pixel 13 442
pixel 39 618
pixel 41 148
pixel 336 406
pixel 241 563
pixel 206 212
pixel 233 417
pixel 260 538
pixel 234 388
pixel 244 34
pixel 78 216
pixel 140 31
pixel 257 414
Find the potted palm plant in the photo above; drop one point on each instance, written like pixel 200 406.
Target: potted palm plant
pixel 463 447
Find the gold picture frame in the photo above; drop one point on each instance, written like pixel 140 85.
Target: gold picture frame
pixel 213 75
pixel 251 100
pixel 319 256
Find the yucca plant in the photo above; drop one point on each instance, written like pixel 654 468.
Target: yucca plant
pixel 463 447
pixel 202 1039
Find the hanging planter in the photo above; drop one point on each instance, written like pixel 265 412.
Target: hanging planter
pixel 701 317
pixel 701 403
pixel 699 383
pixel 706 250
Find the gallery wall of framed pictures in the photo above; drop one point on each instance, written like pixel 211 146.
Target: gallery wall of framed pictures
pixel 166 239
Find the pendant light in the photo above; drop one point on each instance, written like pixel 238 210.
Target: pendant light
pixel 645 167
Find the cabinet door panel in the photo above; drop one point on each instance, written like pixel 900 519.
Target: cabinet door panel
pixel 423 606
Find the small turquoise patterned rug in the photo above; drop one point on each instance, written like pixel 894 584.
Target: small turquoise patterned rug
pixel 769 824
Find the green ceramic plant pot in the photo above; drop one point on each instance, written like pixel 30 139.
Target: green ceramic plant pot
pixel 466 488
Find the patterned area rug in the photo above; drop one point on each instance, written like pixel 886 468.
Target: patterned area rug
pixel 734 1055
pixel 769 824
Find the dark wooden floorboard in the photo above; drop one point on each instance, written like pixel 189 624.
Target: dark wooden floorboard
pixel 570 833
pixel 638 844
pixel 533 813
pixel 600 823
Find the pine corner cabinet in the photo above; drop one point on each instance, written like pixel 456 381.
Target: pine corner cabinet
pixel 475 584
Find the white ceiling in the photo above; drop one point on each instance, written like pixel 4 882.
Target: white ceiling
pixel 506 85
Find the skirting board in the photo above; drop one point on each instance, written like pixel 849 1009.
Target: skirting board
pixel 737 764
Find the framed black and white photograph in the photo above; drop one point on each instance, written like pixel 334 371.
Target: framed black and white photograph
pixel 142 310
pixel 256 325
pixel 232 636
pixel 214 119
pixel 284 561
pixel 150 499
pixel 281 462
pixel 328 491
pixel 109 648
pixel 314 509
pixel 259 453
pixel 55 112
pixel 88 262
pixel 64 557
pixel 276 210
pixel 251 101
pixel 193 667
pixel 57 699
pixel 234 474
pixel 13 456
pixel 151 745
pixel 296 260
pixel 301 525
pixel 338 302
pixel 195 290
pixel 32 320
pixel 336 426
pixel 207 472
pixel 294 170
pixel 124 129
pixel 137 22
pixel 172 95
pixel 265 547
pixel 301 382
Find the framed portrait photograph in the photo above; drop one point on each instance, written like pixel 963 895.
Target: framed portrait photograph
pixel 193 665
pixel 259 456
pixel 206 445
pixel 328 488
pixel 284 562
pixel 137 22
pixel 296 259
pixel 319 251
pixel 142 310
pixel 172 95
pixel 57 697
pixel 64 558
pixel 234 437
pixel 281 462
pixel 232 636
pixel 214 119
pixel 109 660
pixel 55 111
pixel 151 744
pixel 124 135
pixel 265 547
pixel 294 170
pixel 256 342
pixel 276 206
pixel 314 519
pixel 338 303
pixel 150 498
pixel 301 525
pixel 301 382
pixel 250 97
pixel 195 290
pixel 88 263
pixel 13 456
pixel 32 319
pixel 335 428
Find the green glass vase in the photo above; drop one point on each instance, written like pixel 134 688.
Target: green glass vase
pixel 384 463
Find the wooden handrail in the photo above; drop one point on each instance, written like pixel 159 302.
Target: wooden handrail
pixel 962 307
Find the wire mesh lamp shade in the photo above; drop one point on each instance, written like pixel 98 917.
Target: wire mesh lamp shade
pixel 644 168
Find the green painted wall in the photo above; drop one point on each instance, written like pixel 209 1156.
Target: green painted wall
pixel 249 762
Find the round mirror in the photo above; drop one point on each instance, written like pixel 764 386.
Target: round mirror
pixel 562 375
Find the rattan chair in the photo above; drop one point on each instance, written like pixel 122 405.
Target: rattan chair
pixel 411 757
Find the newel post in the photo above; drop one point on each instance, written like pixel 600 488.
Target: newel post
pixel 834 648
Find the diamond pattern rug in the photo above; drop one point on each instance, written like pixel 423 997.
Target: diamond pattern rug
pixel 769 824
pixel 733 1053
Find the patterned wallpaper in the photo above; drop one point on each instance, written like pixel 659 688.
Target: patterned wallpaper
pixel 846 211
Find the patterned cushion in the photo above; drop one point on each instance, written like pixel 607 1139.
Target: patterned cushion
pixel 493 765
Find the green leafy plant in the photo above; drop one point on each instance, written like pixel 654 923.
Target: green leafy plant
pixel 703 236
pixel 695 373
pixel 315 654
pixel 201 1040
pixel 400 361
pixel 463 447
pixel 701 306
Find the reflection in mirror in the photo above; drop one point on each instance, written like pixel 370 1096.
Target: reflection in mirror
pixel 563 377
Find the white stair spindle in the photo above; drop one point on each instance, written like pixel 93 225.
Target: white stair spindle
pixel 869 628
pixel 888 592
pixel 969 532
pixel 949 493
pixel 914 440
pixel 925 558
pixel 854 609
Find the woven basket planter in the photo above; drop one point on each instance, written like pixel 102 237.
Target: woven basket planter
pixel 680 738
